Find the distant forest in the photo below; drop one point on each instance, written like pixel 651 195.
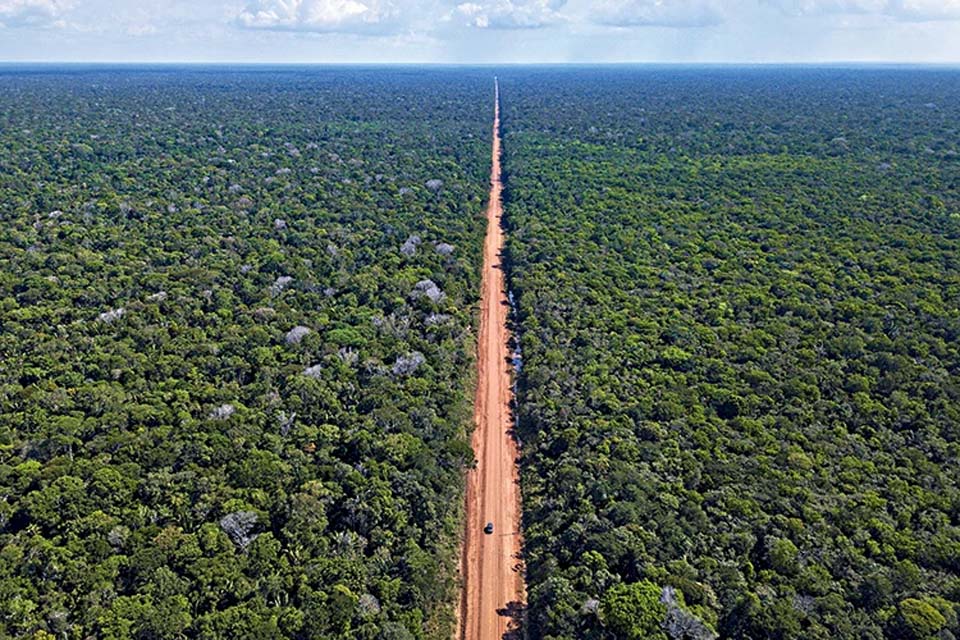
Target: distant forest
pixel 238 331
pixel 738 309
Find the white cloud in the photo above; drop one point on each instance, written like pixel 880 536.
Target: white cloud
pixel 925 9
pixel 509 14
pixel 32 13
pixel 907 10
pixel 820 7
pixel 659 13
pixel 478 30
pixel 322 16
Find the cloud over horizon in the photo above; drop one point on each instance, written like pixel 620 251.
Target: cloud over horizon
pixel 481 30
pixel 907 10
pixel 510 14
pixel 319 16
pixel 31 13
pixel 659 13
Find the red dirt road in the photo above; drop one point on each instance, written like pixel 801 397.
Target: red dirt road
pixel 492 566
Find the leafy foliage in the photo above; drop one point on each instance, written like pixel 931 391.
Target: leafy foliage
pixel 211 424
pixel 634 611
pixel 736 297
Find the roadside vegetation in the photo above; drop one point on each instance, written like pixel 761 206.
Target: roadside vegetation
pixel 737 305
pixel 236 343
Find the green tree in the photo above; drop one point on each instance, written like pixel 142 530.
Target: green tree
pixel 918 619
pixel 634 611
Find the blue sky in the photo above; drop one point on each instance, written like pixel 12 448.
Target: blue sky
pixel 465 31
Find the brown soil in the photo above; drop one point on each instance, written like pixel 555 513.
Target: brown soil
pixel 492 565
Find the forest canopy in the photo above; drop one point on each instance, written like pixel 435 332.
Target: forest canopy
pixel 236 332
pixel 737 296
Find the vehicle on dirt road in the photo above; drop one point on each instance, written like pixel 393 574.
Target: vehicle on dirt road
pixel 489 528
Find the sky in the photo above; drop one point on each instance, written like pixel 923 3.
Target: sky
pixel 480 31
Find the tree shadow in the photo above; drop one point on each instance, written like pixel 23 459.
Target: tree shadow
pixel 515 611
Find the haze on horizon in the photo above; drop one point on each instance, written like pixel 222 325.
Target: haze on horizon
pixel 458 31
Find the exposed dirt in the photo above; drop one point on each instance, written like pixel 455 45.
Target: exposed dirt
pixel 492 565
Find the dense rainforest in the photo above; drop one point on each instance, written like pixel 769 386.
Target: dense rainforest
pixel 236 312
pixel 737 302
pixel 237 344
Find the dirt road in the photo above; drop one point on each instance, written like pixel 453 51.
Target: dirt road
pixel 493 595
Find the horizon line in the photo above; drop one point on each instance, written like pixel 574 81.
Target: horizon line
pixel 610 63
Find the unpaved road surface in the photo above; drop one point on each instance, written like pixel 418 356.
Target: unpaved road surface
pixel 492 565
